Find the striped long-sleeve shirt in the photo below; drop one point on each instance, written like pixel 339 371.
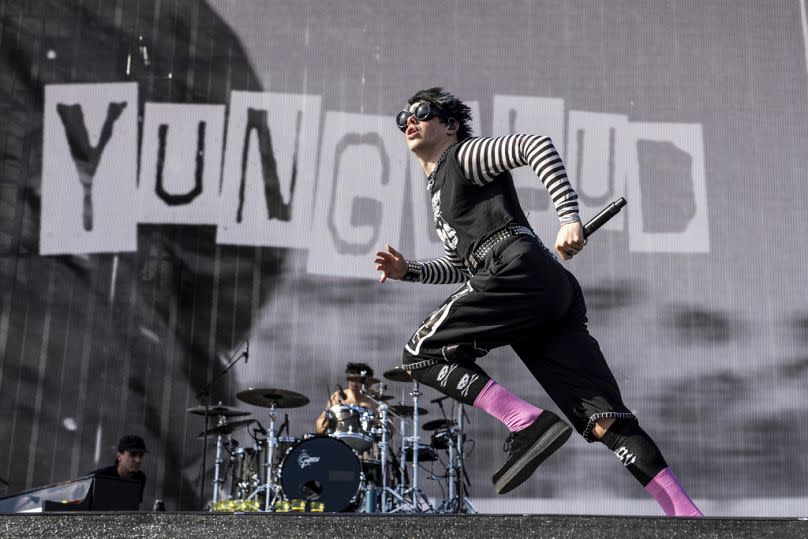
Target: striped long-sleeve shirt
pixel 481 161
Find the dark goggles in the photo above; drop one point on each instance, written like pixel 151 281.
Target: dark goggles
pixel 422 112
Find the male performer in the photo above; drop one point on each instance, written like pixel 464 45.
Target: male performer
pixel 515 293
pixel 354 373
pixel 131 450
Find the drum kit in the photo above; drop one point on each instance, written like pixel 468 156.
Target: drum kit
pixel 353 466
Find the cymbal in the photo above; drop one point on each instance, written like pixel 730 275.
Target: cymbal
pixel 377 394
pixel 227 428
pixel 366 380
pixel 436 424
pixel 404 409
pixel 217 410
pixel 397 375
pixel 280 398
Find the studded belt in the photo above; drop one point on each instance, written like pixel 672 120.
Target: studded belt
pixel 475 259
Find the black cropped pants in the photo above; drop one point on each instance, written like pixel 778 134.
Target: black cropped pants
pixel 521 296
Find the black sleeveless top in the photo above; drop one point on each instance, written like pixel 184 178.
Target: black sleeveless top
pixel 465 213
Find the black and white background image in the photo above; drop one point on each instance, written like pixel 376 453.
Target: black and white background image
pixel 127 284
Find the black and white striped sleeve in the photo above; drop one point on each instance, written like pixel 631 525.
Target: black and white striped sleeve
pixel 482 159
pixel 445 270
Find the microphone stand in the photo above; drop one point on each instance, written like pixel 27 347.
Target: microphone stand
pixel 439 402
pixel 206 394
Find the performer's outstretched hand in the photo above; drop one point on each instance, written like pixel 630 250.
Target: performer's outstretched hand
pixel 570 240
pixel 391 263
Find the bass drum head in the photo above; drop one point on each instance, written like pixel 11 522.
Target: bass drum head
pixel 322 470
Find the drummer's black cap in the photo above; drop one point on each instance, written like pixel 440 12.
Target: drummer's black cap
pixel 362 369
pixel 132 443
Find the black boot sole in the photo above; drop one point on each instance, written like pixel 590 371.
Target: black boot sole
pixel 553 438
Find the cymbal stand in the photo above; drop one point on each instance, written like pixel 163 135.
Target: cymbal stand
pixel 383 446
pixel 457 501
pixel 233 470
pixel 403 480
pixel 206 393
pixel 217 466
pixel 272 489
pixel 218 480
pixel 418 501
pixel 400 492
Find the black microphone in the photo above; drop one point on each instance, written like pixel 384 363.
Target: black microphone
pixel 260 429
pixel 439 399
pixel 247 352
pixel 284 425
pixel 342 394
pixel 604 215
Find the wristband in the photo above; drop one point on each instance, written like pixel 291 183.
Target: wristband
pixel 413 272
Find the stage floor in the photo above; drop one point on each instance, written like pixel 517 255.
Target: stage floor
pixel 264 525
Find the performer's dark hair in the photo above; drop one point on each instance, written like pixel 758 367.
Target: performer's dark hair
pixel 357 368
pixel 448 106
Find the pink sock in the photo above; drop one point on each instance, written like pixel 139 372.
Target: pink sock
pixel 498 402
pixel 670 495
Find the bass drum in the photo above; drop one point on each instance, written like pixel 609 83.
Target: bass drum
pixel 322 469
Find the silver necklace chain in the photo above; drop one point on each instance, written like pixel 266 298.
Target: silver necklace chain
pixel 431 180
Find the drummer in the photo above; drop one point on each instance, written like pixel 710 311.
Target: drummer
pixel 357 375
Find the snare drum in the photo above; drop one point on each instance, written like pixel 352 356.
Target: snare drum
pixel 352 424
pixel 322 469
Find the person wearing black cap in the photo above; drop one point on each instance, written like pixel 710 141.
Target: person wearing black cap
pixel 131 450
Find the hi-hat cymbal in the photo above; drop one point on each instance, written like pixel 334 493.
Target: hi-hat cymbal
pixel 227 428
pixel 366 380
pixel 379 396
pixel 404 409
pixel 266 397
pixel 217 410
pixel 436 424
pixel 398 375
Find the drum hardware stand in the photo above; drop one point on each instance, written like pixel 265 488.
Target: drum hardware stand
pixel 273 399
pixel 383 447
pixel 457 501
pixel 370 491
pixel 403 480
pixel 217 466
pixel 465 505
pixel 400 492
pixel 231 469
pixel 206 394
pixel 418 502
pixel 239 484
pixel 271 488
